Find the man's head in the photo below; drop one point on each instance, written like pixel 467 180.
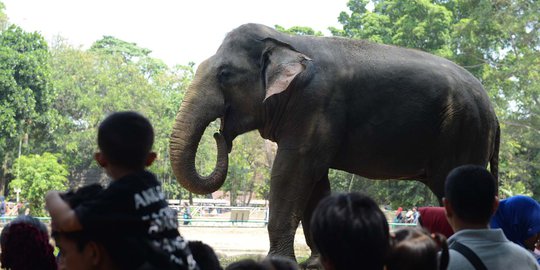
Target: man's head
pixel 348 230
pixel 79 252
pixel 125 139
pixel 470 195
pixel 80 249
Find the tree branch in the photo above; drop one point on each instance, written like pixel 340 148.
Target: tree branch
pixel 522 125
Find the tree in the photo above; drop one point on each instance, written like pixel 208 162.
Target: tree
pixel 499 43
pixel 299 30
pixel 25 94
pixel 105 79
pixel 416 24
pixel 249 169
pixel 35 175
pixel 3 17
pixel 127 50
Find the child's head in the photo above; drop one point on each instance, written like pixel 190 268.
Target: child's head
pixel 416 248
pixel 125 139
pixel 348 230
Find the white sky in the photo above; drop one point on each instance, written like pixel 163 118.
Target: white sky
pixel 177 31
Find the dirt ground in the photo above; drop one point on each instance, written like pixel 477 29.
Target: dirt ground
pixel 235 241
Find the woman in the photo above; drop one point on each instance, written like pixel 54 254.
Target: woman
pixel 25 245
pixel 519 218
pixel 434 220
pixel 399 215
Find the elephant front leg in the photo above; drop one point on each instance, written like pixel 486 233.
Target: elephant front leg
pixel 321 190
pixel 294 177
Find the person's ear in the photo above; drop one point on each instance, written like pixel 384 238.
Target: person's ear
pixel 150 159
pixel 327 265
pixel 93 253
pixel 100 159
pixel 447 208
pixel 495 205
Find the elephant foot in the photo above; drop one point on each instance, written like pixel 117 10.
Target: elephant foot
pixel 312 263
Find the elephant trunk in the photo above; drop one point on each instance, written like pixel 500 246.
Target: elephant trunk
pixel 196 112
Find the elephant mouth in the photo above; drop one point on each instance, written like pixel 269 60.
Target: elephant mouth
pixel 228 139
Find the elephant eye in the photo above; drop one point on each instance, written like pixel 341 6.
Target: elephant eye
pixel 224 75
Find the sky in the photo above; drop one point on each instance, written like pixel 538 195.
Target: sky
pixel 177 31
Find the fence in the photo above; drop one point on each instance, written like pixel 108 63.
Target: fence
pixel 219 216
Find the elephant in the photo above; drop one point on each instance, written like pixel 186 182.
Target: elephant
pixel 378 111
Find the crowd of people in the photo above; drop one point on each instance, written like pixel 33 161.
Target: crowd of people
pixel 128 224
pixel 410 216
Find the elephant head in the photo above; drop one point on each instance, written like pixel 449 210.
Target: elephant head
pixel 252 64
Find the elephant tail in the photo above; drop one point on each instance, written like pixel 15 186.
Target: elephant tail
pixel 494 160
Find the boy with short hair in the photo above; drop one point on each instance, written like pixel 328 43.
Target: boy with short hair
pixel 351 232
pixel 132 208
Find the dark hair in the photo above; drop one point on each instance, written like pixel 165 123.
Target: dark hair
pixel 204 255
pixel 126 138
pixel 471 191
pixel 245 264
pixel 25 245
pixel 74 198
pixel 279 263
pixel 269 263
pixel 350 229
pixel 417 249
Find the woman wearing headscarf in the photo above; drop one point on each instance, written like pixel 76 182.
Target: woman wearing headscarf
pixel 434 220
pixel 519 218
pixel 25 245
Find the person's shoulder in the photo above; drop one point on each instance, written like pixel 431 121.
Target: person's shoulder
pixel 134 181
pixel 458 261
pixel 142 177
pixel 518 250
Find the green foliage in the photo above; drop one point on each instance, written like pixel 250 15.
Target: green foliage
pixel 26 95
pixel 94 83
pixel 416 24
pixel 113 46
pixel 25 92
pixel 299 30
pixel 35 175
pixel 3 17
pixel 249 169
pixel 394 193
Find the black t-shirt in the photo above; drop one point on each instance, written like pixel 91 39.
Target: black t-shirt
pixel 133 209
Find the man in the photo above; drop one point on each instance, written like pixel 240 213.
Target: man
pixel 470 201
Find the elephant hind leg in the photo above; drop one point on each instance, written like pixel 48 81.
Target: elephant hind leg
pixel 436 185
pixel 320 191
pixel 436 175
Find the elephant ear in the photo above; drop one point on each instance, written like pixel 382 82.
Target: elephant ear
pixel 282 64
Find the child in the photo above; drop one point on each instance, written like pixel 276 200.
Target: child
pixel 417 249
pixel 132 208
pixel 351 232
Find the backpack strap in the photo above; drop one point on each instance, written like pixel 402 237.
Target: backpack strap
pixel 469 255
